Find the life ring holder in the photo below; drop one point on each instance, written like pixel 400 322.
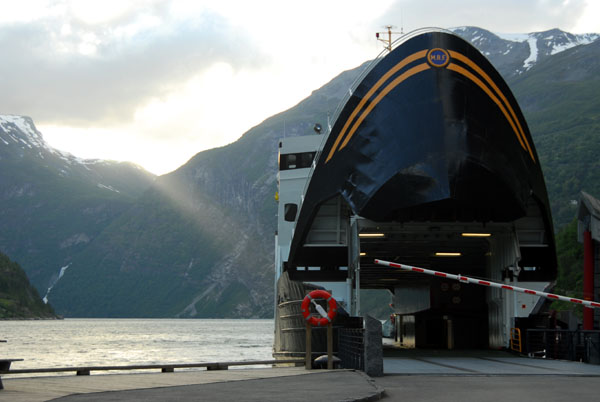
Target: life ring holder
pixel 331 312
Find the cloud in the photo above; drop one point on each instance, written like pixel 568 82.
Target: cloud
pixel 155 81
pixel 67 71
pixel 508 16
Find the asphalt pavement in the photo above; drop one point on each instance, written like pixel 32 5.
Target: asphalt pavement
pixel 410 376
pixel 271 384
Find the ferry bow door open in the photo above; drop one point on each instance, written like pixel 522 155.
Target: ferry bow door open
pixel 435 312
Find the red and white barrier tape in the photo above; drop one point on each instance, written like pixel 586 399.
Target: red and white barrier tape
pixel 465 279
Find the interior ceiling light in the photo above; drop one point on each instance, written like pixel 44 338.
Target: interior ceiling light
pixel 371 234
pixel 476 234
pixel 445 254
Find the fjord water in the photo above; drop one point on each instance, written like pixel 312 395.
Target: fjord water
pixel 107 342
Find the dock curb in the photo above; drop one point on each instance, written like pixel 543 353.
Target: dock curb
pixel 377 395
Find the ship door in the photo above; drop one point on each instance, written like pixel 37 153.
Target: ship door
pixel 457 319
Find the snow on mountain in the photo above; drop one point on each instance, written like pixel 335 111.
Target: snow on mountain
pixel 533 53
pixel 555 39
pixel 515 53
pixel 549 42
pixel 513 37
pixel 19 137
pixel 20 130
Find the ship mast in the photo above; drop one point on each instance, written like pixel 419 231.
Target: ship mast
pixel 388 40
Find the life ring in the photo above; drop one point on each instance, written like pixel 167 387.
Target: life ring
pixel 331 313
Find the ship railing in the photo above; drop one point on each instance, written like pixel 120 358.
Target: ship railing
pixel 562 344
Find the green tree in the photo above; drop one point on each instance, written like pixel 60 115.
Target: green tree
pixel 569 253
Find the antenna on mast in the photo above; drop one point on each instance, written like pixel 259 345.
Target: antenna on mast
pixel 401 23
pixel 388 40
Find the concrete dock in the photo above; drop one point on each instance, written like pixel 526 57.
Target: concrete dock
pixel 479 363
pixel 409 376
pixel 269 384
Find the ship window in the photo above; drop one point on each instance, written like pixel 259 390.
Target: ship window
pixel 306 159
pixel 291 161
pixel 296 161
pixel 290 211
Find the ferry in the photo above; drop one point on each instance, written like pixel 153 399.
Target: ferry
pixel 427 162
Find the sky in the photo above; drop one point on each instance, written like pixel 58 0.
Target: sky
pixel 155 82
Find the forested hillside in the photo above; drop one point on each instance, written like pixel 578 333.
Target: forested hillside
pixel 18 299
pixel 559 98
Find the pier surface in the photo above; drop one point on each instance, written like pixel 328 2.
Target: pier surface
pixel 409 376
pixel 490 376
pixel 478 362
pixel 269 384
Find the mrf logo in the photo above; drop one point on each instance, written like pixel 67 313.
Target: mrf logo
pixel 438 57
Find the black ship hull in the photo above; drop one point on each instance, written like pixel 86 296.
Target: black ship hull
pixel 429 163
pixel 432 133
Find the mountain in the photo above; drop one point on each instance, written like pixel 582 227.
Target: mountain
pixel 514 54
pixel 18 299
pixel 54 204
pixel 198 242
pixel 559 99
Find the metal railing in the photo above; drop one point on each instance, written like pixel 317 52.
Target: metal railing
pixel 351 351
pixel 564 344
pixel 516 340
pixel 165 368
